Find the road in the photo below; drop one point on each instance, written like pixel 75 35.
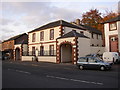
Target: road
pixel 50 75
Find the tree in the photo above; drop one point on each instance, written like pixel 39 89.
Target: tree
pixel 92 18
pixel 109 15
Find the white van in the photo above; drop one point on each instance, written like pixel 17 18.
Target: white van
pixel 111 57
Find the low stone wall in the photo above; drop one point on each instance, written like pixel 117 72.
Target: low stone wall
pixel 47 59
pixel 40 58
pixel 27 58
pixel 94 50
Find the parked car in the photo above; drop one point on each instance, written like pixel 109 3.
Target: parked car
pixel 111 57
pixel 93 63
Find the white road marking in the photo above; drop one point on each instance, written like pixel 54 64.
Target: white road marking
pixel 20 71
pixel 98 83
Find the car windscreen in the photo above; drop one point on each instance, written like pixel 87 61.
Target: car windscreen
pixel 82 59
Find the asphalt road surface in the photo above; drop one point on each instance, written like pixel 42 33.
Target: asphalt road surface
pixel 50 75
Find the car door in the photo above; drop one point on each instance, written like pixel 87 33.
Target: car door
pixel 92 63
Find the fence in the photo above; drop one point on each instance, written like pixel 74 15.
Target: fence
pixel 40 53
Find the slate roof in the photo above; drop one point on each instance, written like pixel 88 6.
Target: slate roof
pixel 57 23
pixel 113 19
pixel 14 37
pixel 64 23
pixel 93 30
pixel 73 34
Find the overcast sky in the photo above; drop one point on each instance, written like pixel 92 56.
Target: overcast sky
pixel 23 16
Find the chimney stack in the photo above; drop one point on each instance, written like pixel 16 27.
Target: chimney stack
pixel 78 21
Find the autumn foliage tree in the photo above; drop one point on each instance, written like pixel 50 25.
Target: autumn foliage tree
pixel 92 18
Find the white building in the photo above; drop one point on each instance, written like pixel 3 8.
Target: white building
pixel 112 34
pixel 61 41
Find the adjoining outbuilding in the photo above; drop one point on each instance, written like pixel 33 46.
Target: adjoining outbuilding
pixel 14 47
pixel 112 35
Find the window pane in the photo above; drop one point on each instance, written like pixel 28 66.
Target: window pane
pixel 51 34
pixel 113 26
pixel 33 37
pixel 41 36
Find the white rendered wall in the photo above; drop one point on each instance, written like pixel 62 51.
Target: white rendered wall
pixel 46 35
pixel 83 47
pixel 27 58
pixel 47 59
pixel 108 33
pixel 94 50
pixel 25 47
pixel 94 40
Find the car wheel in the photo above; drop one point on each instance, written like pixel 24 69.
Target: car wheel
pixel 81 67
pixel 102 68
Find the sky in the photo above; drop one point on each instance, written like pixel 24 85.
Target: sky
pixel 21 16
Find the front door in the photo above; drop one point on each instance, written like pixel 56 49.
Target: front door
pixel 114 44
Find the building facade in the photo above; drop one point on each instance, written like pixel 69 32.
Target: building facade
pixel 61 41
pixel 14 47
pixel 112 35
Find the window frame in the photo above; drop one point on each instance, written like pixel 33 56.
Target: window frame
pixel 33 51
pixel 111 24
pixel 51 34
pixel 50 50
pixel 42 36
pixel 33 37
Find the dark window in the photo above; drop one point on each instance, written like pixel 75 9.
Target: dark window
pixel 51 49
pixel 51 34
pixel 33 50
pixel 42 36
pixel 41 50
pixel 33 37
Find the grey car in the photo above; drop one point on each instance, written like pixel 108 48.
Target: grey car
pixel 93 63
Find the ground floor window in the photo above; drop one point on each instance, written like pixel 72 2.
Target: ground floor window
pixel 51 50
pixel 33 50
pixel 41 50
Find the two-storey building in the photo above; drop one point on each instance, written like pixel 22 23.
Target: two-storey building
pixel 61 41
pixel 112 34
pixel 14 47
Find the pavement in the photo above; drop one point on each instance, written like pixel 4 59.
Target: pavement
pixel 17 74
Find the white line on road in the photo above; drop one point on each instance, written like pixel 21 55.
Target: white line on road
pixel 75 80
pixel 20 71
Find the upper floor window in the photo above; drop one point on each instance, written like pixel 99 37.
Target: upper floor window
pixel 51 34
pixel 33 37
pixel 42 36
pixel 113 26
